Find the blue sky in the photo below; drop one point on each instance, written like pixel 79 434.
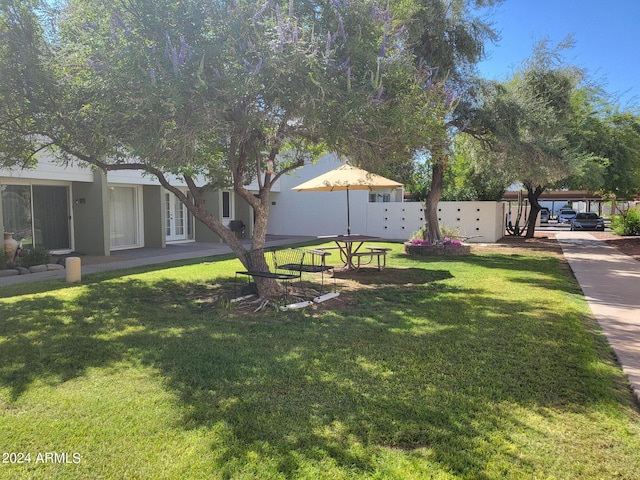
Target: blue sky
pixel 606 39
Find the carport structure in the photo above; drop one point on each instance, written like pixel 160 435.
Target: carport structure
pixel 559 198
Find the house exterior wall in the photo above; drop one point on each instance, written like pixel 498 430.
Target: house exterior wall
pixel 49 170
pixel 244 212
pixel 90 216
pixel 213 204
pixel 1 220
pixel 154 216
pixel 90 209
pixel 315 213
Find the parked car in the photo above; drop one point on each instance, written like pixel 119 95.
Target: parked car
pixel 544 215
pixel 565 215
pixel 587 221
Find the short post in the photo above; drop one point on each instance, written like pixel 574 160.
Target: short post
pixel 74 270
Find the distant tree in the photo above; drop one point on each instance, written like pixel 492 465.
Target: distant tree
pixel 467 179
pixel 612 135
pixel 527 123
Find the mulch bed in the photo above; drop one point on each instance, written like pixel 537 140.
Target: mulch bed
pixel 628 245
pixel 546 241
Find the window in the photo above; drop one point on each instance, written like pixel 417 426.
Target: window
pixel 226 204
pixel 379 197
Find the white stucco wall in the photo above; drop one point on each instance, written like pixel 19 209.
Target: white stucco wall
pixel 325 213
pixel 477 221
pixel 480 221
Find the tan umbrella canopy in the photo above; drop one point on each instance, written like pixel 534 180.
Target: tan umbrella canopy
pixel 346 177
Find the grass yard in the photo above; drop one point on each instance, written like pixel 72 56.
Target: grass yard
pixel 482 367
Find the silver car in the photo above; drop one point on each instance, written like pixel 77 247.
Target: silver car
pixel 587 221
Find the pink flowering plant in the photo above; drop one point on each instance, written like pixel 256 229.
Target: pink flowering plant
pixel 448 241
pixel 419 238
pixel 419 241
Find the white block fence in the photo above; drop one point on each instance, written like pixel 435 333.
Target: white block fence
pixel 324 213
pixel 480 221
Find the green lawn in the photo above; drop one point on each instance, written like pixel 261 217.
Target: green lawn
pixel 484 367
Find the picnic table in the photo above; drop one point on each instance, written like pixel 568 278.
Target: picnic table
pixel 354 252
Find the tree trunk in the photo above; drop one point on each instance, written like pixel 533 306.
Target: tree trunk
pixel 431 205
pixel 267 287
pixel 533 194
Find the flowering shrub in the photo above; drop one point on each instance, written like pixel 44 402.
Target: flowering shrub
pixel 448 241
pixel 419 237
pixel 419 241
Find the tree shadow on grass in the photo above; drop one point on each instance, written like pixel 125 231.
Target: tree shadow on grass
pixel 394 276
pixel 552 274
pixel 424 367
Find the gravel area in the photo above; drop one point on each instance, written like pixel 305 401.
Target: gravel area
pixel 628 245
pixel 547 241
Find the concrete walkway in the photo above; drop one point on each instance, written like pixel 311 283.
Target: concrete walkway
pixel 610 281
pixel 148 256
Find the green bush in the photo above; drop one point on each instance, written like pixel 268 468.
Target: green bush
pixel 34 256
pixel 628 223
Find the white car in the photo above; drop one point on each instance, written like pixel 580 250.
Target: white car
pixel 544 215
pixel 565 215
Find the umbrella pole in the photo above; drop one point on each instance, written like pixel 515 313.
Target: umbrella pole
pixel 348 214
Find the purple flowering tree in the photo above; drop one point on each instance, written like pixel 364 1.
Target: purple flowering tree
pixel 219 93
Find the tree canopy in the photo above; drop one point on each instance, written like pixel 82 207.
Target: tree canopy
pixel 524 125
pixel 219 93
pixel 448 38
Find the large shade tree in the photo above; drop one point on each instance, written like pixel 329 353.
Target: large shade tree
pixel 527 123
pixel 448 38
pixel 214 93
pixel 613 135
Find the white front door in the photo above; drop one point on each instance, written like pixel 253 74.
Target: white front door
pixel 176 218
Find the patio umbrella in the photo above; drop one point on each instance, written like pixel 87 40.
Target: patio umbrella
pixel 346 177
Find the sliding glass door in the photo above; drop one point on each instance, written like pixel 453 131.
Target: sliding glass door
pixel 37 215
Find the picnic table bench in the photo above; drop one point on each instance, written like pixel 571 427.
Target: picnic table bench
pixel 367 257
pixel 317 263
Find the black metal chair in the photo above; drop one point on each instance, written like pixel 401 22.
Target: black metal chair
pixel 317 263
pixel 284 265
